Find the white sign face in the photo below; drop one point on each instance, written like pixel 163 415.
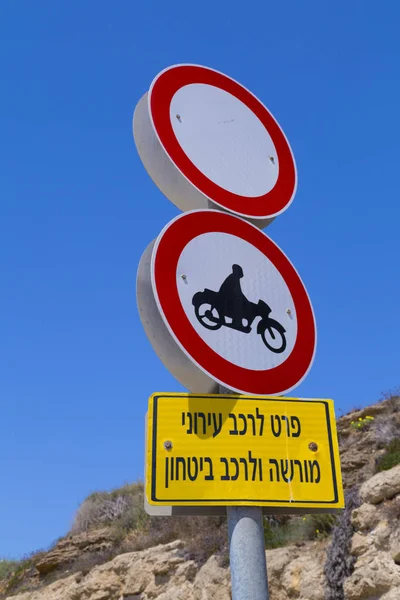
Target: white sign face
pixel 224 139
pixel 206 140
pixel 207 261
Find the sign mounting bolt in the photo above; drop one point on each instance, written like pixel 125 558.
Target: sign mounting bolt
pixel 179 118
pixel 313 447
pixel 168 445
pixel 271 158
pixel 289 312
pixel 183 276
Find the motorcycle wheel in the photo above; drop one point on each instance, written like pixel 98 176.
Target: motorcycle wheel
pixel 203 313
pixel 273 337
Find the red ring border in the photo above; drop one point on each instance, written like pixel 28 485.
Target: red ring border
pixel 162 90
pixel 167 250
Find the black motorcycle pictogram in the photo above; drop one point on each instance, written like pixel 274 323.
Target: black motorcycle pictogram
pixel 213 308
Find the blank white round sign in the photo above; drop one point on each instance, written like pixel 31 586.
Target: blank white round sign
pixel 224 139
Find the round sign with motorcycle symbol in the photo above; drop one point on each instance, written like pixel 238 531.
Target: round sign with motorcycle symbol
pixel 232 302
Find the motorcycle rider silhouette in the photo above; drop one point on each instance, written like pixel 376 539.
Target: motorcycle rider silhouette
pixel 233 301
pixel 212 308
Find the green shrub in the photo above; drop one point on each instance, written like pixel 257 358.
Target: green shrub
pixel 390 458
pixel 297 529
pixel 7 567
pixel 19 572
pixel 362 423
pixel 276 535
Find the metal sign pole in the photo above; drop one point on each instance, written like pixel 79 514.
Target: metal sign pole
pixel 247 553
pixel 247 558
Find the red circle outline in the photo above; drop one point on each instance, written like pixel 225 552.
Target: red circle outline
pixel 162 90
pixel 167 250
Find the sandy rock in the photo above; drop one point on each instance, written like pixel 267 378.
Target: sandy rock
pixel 372 578
pixel 59 590
pixel 70 548
pixel 380 535
pixel 296 572
pixel 365 517
pixel 156 570
pixel 212 582
pixel 394 594
pixel 278 559
pixel 304 577
pixel 382 486
pixel 360 544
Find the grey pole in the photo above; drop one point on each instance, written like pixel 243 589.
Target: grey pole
pixel 247 553
pixel 246 549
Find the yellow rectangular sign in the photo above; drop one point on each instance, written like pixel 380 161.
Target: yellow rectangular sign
pixel 212 450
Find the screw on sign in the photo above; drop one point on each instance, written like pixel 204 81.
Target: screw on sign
pixel 223 305
pixel 207 141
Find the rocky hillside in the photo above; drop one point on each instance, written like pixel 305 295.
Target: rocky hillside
pixel 115 552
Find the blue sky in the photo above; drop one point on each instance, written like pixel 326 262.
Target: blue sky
pixel 77 210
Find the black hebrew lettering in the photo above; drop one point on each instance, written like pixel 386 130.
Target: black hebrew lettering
pixel 193 475
pixel 307 471
pixel 260 417
pixel 292 425
pixel 236 475
pixel 287 470
pixel 238 470
pixel 176 469
pixel 243 418
pixel 295 421
pixel 255 462
pixel 217 427
pixel 284 418
pixel 275 419
pixel 314 464
pixel 202 416
pixel 229 307
pixel 180 461
pixel 244 462
pixel 272 461
pixel 244 425
pixel 226 476
pixel 298 464
pixel 210 475
pixel 253 422
pixel 200 423
pixel 190 418
pixel 233 431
